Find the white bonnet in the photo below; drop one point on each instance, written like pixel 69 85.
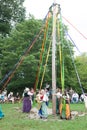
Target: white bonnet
pixel 26 89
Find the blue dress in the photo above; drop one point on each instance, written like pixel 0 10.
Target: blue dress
pixel 1 114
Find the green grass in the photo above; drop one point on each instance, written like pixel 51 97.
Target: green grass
pixel 16 120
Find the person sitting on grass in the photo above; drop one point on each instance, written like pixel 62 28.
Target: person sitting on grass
pixel 75 97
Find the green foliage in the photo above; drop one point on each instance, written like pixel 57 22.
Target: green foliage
pixel 81 64
pixel 11 12
pixel 14 48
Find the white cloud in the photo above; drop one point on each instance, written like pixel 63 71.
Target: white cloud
pixel 73 10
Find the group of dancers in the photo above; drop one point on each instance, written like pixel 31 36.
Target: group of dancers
pixel 63 104
pixel 42 99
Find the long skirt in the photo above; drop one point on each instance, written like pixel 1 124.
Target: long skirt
pixel 44 110
pixel 57 106
pixel 1 114
pixel 26 104
pixel 65 112
pixel 39 109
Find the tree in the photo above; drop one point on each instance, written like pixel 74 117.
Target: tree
pixel 14 47
pixel 11 12
pixel 81 64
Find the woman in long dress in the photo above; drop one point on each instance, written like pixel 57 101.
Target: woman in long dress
pixel 65 112
pixel 58 99
pixel 44 104
pixel 42 100
pixel 27 101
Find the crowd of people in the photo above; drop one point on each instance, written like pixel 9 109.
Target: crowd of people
pixel 8 97
pixel 42 97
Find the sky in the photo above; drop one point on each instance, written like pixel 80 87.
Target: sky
pixel 75 11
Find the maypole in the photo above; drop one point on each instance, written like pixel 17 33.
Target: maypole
pixel 53 58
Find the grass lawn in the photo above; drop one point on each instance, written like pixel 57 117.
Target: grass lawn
pixel 16 120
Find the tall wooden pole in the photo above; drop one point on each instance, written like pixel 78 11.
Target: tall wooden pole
pixel 53 60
